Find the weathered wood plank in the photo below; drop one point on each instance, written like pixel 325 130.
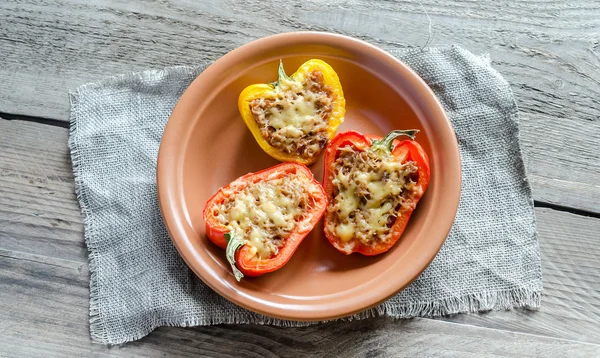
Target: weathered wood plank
pixel 571 271
pixel 37 192
pixel 43 311
pixel 44 276
pixel 46 315
pixel 549 52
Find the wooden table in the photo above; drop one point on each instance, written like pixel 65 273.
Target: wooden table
pixel 548 51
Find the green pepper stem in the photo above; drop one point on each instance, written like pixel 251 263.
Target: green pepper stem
pixel 281 75
pixel 233 244
pixel 387 141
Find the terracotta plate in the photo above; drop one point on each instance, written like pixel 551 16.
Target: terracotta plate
pixel 206 145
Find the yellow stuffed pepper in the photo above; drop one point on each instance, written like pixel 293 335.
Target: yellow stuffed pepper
pixel 294 118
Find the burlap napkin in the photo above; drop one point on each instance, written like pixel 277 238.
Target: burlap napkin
pixel 138 282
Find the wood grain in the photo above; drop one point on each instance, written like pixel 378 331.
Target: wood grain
pixel 571 272
pixel 44 279
pixel 45 315
pixel 37 192
pixel 548 51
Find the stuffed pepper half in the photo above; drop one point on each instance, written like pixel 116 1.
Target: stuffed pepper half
pixel 372 187
pixel 294 118
pixel 261 218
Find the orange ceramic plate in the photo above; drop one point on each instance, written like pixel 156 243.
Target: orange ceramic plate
pixel 206 145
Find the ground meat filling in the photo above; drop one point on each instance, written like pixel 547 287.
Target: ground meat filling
pixel 369 189
pixel 296 120
pixel 265 213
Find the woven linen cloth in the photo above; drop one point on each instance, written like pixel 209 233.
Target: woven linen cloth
pixel 490 261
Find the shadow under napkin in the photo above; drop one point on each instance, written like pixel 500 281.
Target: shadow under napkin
pixel 491 259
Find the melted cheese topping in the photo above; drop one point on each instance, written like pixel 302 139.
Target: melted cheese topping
pixel 370 187
pixel 295 119
pixel 265 213
pixel 295 107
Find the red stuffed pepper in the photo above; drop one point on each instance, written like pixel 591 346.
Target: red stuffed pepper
pixel 261 218
pixel 372 187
